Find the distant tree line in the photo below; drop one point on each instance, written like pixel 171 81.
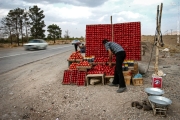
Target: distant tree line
pixel 20 25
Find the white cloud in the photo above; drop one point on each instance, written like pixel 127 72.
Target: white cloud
pixel 120 19
pixel 3 12
pixel 63 22
pixel 129 14
pixel 102 18
pixel 87 3
pixel 75 12
pixel 68 23
pixel 147 2
pixel 67 12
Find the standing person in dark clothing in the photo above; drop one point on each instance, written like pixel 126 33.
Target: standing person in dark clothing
pixel 114 48
pixel 76 46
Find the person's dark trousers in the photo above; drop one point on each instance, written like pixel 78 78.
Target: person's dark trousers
pixel 82 51
pixel 75 47
pixel 118 73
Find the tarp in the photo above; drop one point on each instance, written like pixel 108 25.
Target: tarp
pixel 75 42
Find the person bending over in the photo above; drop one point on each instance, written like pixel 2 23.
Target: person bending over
pixel 82 48
pixel 114 48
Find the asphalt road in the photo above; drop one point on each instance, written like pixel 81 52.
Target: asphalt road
pixel 11 58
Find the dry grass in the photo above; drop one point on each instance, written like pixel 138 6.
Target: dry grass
pixel 170 41
pixel 8 45
pixel 59 42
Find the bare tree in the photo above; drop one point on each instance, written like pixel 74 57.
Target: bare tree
pixel 66 35
pixel 15 16
pixel 7 28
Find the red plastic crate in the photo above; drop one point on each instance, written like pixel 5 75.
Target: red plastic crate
pixel 74 76
pixel 67 77
pixel 81 77
pixel 126 34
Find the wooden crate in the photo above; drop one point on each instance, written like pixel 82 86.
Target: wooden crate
pixel 94 76
pixel 83 68
pixel 70 61
pixel 137 81
pixel 126 78
pixel 107 78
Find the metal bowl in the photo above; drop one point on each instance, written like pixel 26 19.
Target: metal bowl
pixel 160 100
pixel 154 91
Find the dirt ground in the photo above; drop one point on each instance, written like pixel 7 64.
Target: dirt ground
pixel 35 92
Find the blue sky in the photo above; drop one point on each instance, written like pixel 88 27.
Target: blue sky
pixel 74 15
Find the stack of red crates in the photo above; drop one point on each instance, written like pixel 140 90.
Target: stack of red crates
pixel 81 77
pixel 94 36
pixel 67 77
pixel 128 35
pixel 74 77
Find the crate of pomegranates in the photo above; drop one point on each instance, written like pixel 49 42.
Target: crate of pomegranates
pixel 84 64
pixel 75 56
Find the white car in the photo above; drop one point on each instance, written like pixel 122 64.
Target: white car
pixel 36 44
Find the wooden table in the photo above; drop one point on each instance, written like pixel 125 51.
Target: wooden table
pixel 72 61
pixel 93 76
pixel 108 77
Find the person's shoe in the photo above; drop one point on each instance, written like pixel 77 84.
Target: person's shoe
pixel 120 90
pixel 111 84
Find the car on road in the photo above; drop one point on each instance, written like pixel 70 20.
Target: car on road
pixel 37 44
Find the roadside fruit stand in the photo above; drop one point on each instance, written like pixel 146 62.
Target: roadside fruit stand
pixel 95 62
pixel 81 70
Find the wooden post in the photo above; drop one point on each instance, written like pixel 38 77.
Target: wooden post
pixel 112 29
pixel 157 19
pixel 158 22
pixel 157 44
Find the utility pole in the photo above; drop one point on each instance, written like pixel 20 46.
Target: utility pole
pixel 112 29
pixel 171 31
